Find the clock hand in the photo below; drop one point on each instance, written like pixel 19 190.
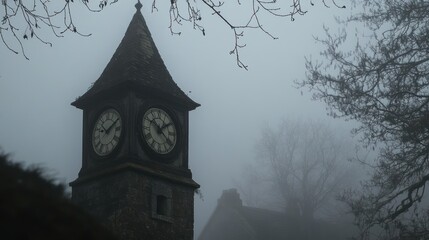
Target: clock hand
pixel 162 131
pixel 110 127
pixel 102 130
pixel 159 131
pixel 166 125
pixel 166 138
pixel 158 128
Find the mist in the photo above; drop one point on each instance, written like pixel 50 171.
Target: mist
pixel 39 126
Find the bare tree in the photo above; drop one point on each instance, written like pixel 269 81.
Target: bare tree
pixel 302 162
pixel 23 19
pixel 382 83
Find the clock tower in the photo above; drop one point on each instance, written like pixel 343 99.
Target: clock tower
pixel 135 177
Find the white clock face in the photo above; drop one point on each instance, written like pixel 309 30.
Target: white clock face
pixel 159 131
pixel 107 132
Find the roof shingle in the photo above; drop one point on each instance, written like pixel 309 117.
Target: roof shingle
pixel 137 62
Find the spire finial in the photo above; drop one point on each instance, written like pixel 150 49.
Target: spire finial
pixel 138 5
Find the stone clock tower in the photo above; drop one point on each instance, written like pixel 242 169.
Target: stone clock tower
pixel 135 176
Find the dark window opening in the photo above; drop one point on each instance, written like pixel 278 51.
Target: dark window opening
pixel 161 205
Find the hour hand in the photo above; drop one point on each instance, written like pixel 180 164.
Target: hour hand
pixel 102 128
pixel 166 125
pixel 158 128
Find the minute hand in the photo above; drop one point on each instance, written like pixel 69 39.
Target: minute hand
pixel 166 125
pixel 110 127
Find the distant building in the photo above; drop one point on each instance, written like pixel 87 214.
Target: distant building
pixel 135 177
pixel 233 221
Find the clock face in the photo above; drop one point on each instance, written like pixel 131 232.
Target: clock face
pixel 107 131
pixel 159 131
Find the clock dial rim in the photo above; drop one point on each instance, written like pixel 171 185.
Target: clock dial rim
pixel 118 138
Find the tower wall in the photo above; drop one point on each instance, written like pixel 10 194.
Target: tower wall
pixel 135 205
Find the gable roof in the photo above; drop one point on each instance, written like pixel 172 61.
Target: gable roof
pixel 138 64
pixel 233 221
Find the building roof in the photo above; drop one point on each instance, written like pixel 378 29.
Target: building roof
pixel 137 63
pixel 233 221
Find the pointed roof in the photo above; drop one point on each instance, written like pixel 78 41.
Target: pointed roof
pixel 137 63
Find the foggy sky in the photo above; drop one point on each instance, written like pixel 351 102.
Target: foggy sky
pixel 38 124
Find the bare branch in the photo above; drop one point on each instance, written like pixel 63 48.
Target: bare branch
pixel 38 14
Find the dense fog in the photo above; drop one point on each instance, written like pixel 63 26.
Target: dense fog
pixel 39 126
